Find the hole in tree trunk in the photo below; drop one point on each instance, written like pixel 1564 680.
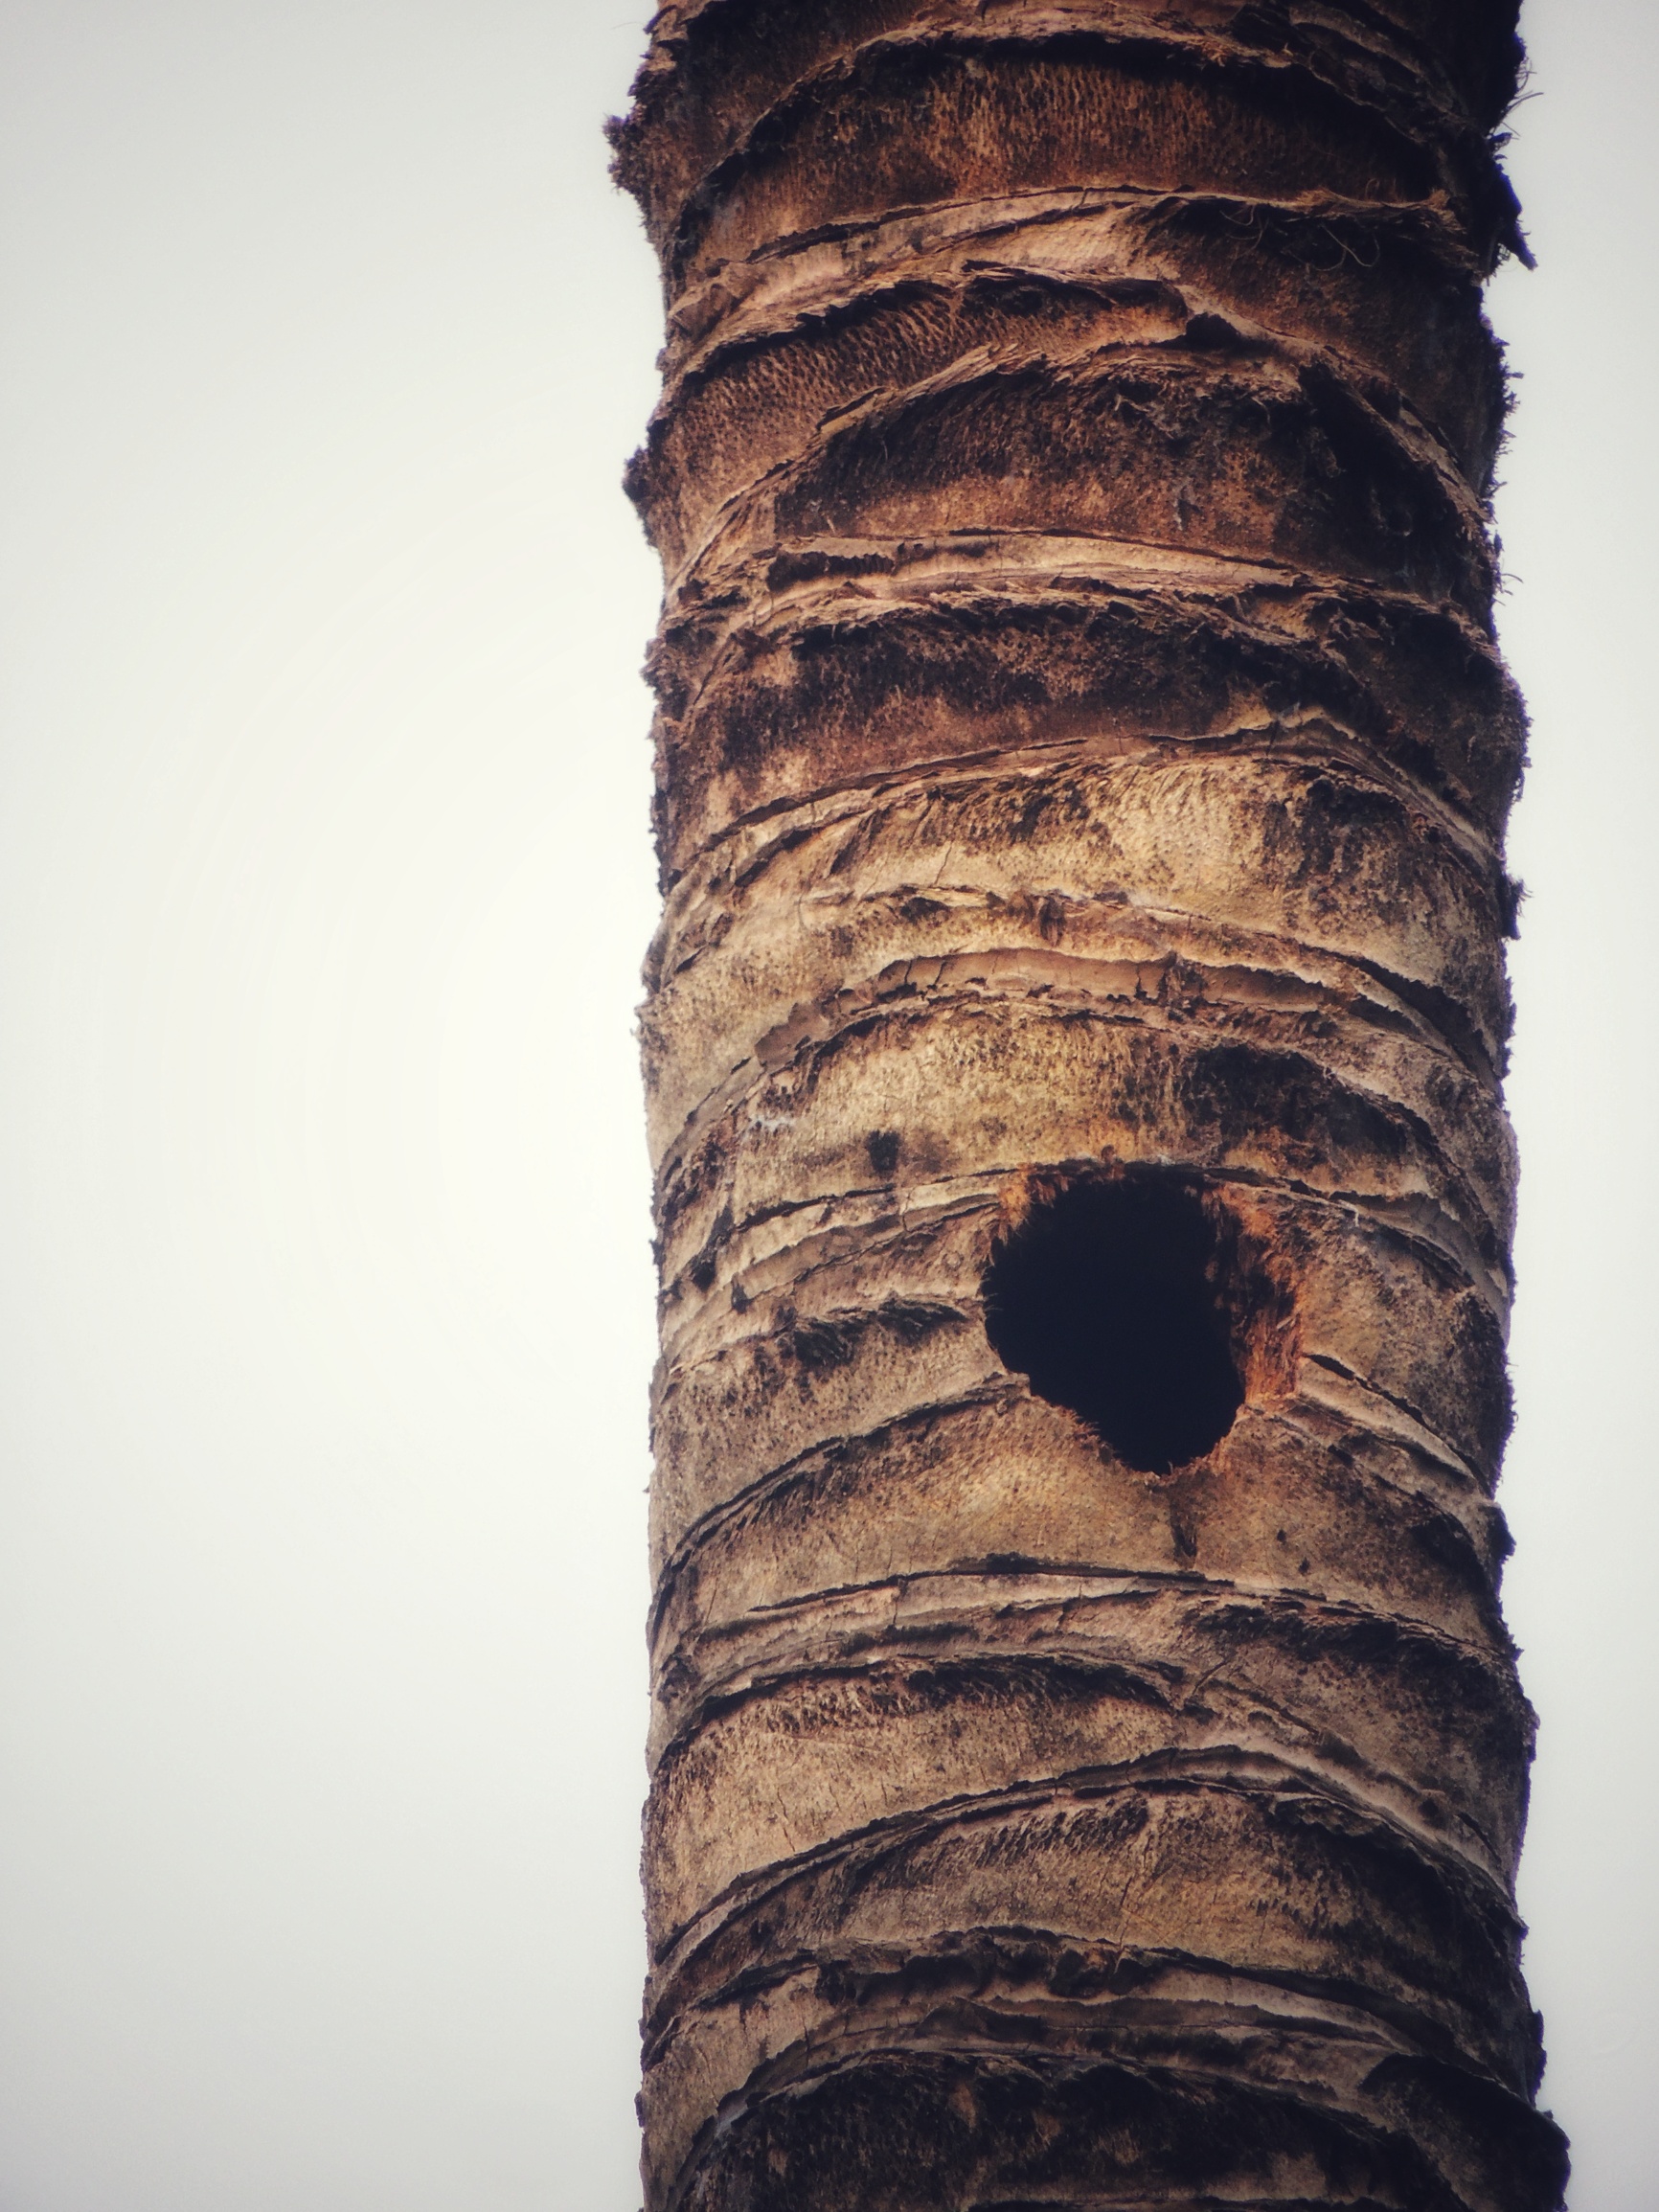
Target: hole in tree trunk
pixel 1106 1297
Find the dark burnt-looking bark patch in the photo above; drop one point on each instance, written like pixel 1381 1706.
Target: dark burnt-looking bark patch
pixel 864 685
pixel 1434 81
pixel 1180 453
pixel 990 116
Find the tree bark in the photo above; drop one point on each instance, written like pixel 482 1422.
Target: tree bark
pixel 1088 1765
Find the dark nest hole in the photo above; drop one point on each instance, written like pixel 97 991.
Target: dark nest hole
pixel 1109 1297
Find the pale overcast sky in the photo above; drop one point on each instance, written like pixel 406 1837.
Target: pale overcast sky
pixel 323 883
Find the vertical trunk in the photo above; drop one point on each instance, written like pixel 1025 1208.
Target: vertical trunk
pixel 1088 1764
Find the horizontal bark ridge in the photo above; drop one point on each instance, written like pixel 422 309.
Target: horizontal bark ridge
pixel 1083 762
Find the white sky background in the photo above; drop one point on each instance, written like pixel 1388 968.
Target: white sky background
pixel 1581 624
pixel 324 1300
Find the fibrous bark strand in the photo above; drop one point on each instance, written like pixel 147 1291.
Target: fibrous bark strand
pixel 1083 762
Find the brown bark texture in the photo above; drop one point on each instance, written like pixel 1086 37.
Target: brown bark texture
pixel 1088 1762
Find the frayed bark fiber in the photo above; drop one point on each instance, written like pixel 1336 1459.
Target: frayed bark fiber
pixel 1084 764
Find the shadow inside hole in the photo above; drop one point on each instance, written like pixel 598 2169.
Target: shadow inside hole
pixel 1105 1297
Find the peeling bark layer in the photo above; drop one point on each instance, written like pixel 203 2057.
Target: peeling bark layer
pixel 1084 766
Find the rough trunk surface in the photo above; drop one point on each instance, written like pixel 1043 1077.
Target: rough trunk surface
pixel 1088 1762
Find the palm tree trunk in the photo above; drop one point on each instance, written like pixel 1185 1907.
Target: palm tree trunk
pixel 1088 1765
